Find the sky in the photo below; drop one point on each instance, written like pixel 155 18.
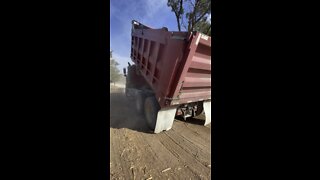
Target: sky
pixel 153 13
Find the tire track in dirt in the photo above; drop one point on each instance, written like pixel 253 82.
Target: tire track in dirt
pixel 155 160
pixel 194 165
pixel 200 139
pixel 166 159
pixel 199 154
pixel 146 161
pixel 198 129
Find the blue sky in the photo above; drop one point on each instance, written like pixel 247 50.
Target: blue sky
pixel 153 13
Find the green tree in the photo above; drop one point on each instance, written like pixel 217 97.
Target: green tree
pixel 192 14
pixel 204 27
pixel 177 8
pixel 114 71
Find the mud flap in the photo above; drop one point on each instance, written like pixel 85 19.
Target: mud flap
pixel 165 119
pixel 207 111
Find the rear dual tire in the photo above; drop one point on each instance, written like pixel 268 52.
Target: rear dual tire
pixel 151 108
pixel 140 98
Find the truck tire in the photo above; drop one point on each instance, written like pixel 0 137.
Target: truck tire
pixel 139 102
pixel 151 108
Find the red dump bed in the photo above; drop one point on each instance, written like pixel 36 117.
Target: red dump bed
pixel 177 65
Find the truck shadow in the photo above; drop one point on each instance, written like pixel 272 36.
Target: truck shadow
pixel 124 115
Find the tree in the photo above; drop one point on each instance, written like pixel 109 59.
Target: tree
pixel 114 71
pixel 177 8
pixel 192 14
pixel 204 27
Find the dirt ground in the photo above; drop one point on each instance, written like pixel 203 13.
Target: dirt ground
pixel 184 152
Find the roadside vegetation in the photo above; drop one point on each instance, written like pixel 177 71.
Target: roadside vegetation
pixel 192 15
pixel 115 75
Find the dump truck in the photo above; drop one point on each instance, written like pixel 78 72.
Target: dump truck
pixel 170 75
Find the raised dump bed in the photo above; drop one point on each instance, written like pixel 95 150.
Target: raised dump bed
pixel 171 75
